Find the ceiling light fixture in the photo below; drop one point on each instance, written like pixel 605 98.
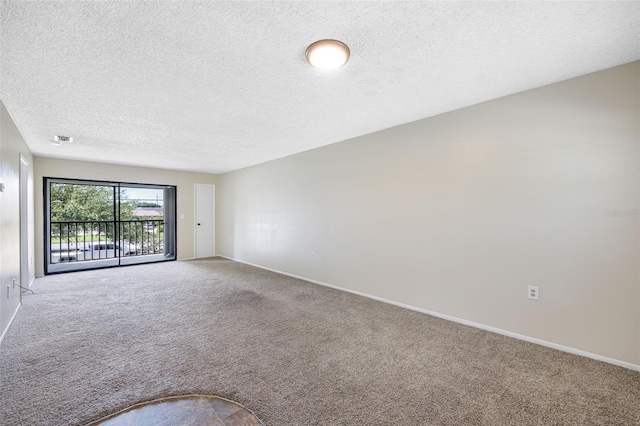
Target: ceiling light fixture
pixel 327 54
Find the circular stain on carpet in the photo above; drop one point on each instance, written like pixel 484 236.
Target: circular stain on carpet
pixel 196 410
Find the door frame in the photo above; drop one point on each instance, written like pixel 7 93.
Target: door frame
pixel 24 222
pixel 195 217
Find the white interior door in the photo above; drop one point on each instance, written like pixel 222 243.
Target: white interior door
pixel 205 220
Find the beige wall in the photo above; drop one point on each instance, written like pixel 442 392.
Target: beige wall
pixel 459 213
pixel 56 168
pixel 12 145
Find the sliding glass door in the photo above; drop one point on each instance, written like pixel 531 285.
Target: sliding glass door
pixel 94 224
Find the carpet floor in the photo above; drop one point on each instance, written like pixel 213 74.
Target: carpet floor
pixel 88 344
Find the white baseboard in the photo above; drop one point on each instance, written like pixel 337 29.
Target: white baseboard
pixel 4 332
pixel 541 342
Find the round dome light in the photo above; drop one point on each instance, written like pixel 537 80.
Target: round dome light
pixel 327 54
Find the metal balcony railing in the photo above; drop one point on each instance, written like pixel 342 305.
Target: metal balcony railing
pixel 76 241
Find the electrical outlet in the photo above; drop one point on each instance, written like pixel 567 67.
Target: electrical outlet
pixel 313 256
pixel 533 293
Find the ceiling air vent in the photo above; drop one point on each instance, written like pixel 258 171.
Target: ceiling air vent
pixel 62 138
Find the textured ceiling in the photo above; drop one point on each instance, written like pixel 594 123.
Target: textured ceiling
pixel 217 86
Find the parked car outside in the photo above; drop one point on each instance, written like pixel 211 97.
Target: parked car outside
pixel 90 251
